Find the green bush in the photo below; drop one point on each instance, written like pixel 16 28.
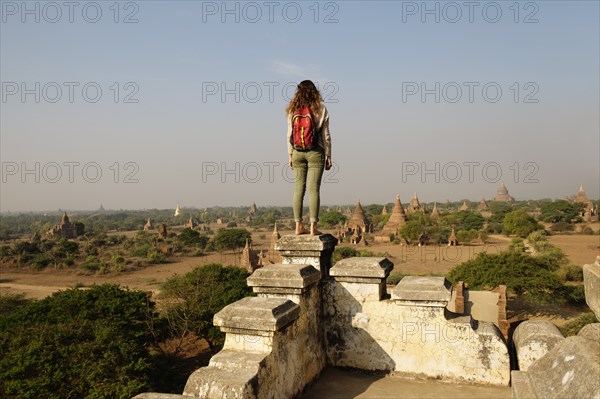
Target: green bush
pixel 40 261
pixel 395 277
pixel 574 294
pixel 192 238
pixel 331 219
pixel 521 273
pixel 231 238
pixel 520 223
pixel 193 299
pixel 516 245
pixel 562 227
pixel 89 343
pixel 91 263
pixel 572 272
pixel 344 252
pixel 574 326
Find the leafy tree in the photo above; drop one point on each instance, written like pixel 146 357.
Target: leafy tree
pixel 192 300
pixel 374 209
pixel 231 238
pixel 189 237
pixel 26 247
pixel 464 236
pixel 343 252
pixel 545 249
pixel 499 208
pixel 522 273
pixel 516 245
pixel 472 221
pixel 411 230
pixel 89 343
pixel 499 211
pixel 332 218
pixel 560 211
pixel 79 228
pixel 380 220
pixel 520 223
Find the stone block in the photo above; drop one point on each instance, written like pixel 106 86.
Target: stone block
pixel 308 249
pixel 284 279
pixel 591 281
pixel 570 370
pixel 363 277
pixel 423 291
pixel 258 314
pixel 359 268
pixel 533 339
pixel 591 331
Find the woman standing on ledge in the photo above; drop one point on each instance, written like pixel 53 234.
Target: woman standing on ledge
pixel 309 150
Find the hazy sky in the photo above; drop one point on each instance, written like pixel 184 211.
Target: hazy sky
pixel 149 104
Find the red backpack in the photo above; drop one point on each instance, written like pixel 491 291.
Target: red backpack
pixel 304 131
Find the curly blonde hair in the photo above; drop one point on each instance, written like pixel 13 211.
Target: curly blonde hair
pixel 307 95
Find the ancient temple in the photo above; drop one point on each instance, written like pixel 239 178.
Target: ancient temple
pixel 162 231
pixel 358 221
pixel 581 198
pixel 348 213
pixel 252 209
pixel 464 207
pixel 396 220
pixel 148 226
pixel 502 194
pixel 177 211
pixel 273 254
pixel 452 241
pixel 191 224
pixel 64 229
pixel 482 206
pixel 414 204
pixel 435 213
pixel 384 210
pixel 423 239
pixel 249 259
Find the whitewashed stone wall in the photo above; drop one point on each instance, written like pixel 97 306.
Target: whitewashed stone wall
pixel 273 347
pixel 411 332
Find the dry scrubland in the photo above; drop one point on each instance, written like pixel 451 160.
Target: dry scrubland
pixel 580 249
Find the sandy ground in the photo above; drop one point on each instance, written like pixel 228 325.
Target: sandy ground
pixel 581 249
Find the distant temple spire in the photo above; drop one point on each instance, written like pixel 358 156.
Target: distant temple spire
pixel 414 204
pixel 249 259
pixel 452 241
pixel 148 226
pixel 502 194
pixel 435 213
pixel 397 218
pixel 483 206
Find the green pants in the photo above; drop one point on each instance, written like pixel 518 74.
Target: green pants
pixel 308 167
